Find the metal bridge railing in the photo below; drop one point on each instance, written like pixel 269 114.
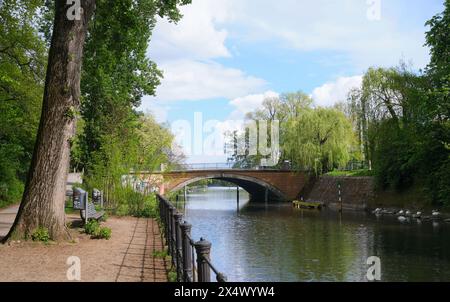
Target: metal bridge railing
pixel 190 259
pixel 221 166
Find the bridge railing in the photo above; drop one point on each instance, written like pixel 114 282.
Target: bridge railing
pixel 219 166
pixel 190 259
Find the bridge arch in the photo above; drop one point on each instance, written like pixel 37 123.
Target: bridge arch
pixel 254 186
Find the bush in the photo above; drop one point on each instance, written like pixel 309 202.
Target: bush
pixel 91 227
pixel 150 208
pixel 172 276
pixel 137 204
pixel 40 234
pixel 160 254
pixel 104 217
pixel 102 233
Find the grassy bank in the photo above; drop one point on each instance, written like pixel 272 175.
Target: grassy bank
pixel 354 173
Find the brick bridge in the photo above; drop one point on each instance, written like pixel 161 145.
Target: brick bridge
pixel 260 184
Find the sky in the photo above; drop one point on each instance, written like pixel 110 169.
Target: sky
pixel 225 56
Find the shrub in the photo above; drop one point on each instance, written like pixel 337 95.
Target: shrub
pixel 122 210
pixel 40 234
pixel 104 217
pixel 160 254
pixel 91 227
pixel 150 208
pixel 102 233
pixel 172 276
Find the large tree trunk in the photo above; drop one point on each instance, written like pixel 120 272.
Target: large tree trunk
pixel 44 196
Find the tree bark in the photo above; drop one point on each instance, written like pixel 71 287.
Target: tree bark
pixel 45 189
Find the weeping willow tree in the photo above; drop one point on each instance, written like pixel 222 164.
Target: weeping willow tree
pixel 142 148
pixel 319 139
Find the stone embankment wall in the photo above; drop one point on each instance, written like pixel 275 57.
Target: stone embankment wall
pixel 357 192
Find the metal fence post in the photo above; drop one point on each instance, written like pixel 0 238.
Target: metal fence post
pixel 166 223
pixel 186 251
pixel 203 249
pixel 178 246
pixel 173 236
pixel 171 229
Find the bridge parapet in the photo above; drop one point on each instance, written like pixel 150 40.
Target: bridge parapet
pixel 279 184
pixel 226 166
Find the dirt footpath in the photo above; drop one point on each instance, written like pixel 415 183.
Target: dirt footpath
pixel 127 256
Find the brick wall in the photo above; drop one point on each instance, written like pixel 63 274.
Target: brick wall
pixel 356 192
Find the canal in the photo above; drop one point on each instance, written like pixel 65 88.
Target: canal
pixel 274 242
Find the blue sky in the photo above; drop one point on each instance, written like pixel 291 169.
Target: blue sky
pixel 225 56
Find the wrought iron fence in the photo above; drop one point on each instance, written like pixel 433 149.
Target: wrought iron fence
pixel 190 259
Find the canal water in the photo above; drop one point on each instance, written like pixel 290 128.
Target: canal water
pixel 274 242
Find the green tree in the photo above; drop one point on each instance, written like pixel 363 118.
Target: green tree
pixel 402 119
pixel 319 139
pixel 22 73
pixel 144 149
pixel 437 151
pixel 43 200
pixel 316 139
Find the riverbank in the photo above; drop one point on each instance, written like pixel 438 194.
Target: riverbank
pixel 359 193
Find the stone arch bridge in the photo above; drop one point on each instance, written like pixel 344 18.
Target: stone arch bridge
pixel 262 185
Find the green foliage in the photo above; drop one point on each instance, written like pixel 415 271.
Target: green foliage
pixel 354 173
pixel 22 73
pixel 319 139
pixel 131 203
pixel 116 74
pixel 105 217
pixel 172 276
pixel 402 119
pixel 91 227
pixel 40 234
pixel 160 254
pixel 102 233
pixel 94 229
pixel 145 150
pixel 112 137
pixel 315 139
pixel 150 207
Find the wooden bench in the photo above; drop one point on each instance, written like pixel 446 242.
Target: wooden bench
pixel 87 209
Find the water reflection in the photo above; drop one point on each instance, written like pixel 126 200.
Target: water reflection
pixel 274 242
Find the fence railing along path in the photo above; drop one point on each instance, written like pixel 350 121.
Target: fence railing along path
pixel 190 259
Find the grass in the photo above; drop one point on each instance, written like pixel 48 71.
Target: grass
pixel 160 254
pixel 353 173
pixel 40 234
pixel 70 210
pixel 5 204
pixel 172 276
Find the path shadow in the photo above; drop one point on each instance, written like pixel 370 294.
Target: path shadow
pixel 76 224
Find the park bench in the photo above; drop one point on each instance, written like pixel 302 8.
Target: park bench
pixel 87 209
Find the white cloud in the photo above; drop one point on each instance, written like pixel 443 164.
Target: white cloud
pixel 185 51
pixel 333 92
pixel 159 110
pixel 197 35
pixel 340 26
pixel 249 103
pixel 192 80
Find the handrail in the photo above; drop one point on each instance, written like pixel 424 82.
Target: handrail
pixel 190 266
pixel 219 276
